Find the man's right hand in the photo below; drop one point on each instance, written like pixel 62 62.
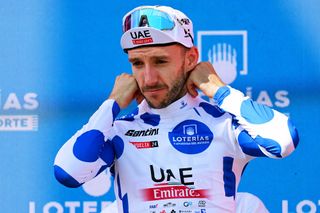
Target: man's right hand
pixel 125 89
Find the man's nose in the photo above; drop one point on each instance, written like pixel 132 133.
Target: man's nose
pixel 150 76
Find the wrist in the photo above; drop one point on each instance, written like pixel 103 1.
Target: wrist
pixel 216 83
pixel 117 100
pixel 210 89
pixel 220 94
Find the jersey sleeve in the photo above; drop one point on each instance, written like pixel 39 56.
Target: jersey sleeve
pixel 259 130
pixel 88 152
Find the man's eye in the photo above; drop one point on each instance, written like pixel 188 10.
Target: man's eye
pixel 137 63
pixel 161 61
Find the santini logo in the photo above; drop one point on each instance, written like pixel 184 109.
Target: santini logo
pixel 139 133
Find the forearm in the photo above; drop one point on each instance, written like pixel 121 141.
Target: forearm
pixel 87 152
pixel 260 130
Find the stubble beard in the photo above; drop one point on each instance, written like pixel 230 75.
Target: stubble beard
pixel 177 91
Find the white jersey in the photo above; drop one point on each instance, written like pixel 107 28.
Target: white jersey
pixel 187 157
pixel 245 203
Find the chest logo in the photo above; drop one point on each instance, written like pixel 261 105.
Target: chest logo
pixel 142 133
pixel 191 137
pixel 145 144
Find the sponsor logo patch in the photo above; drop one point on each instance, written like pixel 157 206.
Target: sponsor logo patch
pixel 191 137
pixel 141 37
pixel 153 206
pixel 172 184
pixel 164 192
pixel 202 203
pixel 169 204
pixel 139 133
pixel 145 144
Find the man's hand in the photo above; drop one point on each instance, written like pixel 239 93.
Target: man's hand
pixel 204 77
pixel 125 89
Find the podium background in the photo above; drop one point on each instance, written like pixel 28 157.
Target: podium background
pixel 58 61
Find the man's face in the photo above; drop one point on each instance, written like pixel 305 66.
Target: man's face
pixel 160 73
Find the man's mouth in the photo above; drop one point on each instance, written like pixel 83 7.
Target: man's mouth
pixel 153 90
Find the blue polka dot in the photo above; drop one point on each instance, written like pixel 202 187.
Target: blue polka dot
pixel 124 198
pixel 129 117
pixel 125 203
pixel 214 111
pixel 151 119
pixel 229 177
pixel 107 153
pixel 250 145
pixel 88 146
pixel 221 94
pixel 115 110
pixel 255 113
pixel 270 145
pixel 64 178
pixel 118 146
pixel 294 133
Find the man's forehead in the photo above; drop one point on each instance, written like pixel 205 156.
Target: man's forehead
pixel 154 51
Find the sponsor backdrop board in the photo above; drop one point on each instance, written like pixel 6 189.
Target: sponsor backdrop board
pixel 58 61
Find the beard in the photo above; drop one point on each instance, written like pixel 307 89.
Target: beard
pixel 177 90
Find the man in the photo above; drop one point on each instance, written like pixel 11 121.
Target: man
pixel 175 152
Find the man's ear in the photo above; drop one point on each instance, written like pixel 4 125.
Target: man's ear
pixel 192 57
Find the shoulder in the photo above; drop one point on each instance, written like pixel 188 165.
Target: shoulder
pixel 209 108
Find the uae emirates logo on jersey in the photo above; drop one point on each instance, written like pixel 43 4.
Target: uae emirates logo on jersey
pixel 167 191
pixel 172 184
pixel 191 137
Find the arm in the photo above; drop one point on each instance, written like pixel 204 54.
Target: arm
pixel 89 152
pixel 260 131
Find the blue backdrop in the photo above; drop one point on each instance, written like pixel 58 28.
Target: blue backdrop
pixel 58 61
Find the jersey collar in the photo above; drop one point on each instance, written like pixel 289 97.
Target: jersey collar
pixel 184 103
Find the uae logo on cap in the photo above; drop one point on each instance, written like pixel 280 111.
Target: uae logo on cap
pixel 227 51
pixel 141 37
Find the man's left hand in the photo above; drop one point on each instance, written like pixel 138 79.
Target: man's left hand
pixel 204 77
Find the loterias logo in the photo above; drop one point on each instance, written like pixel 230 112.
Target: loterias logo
pixel 18 112
pixel 191 137
pixel 141 37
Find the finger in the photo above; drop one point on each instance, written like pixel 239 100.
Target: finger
pixel 194 92
pixel 192 89
pixel 139 97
